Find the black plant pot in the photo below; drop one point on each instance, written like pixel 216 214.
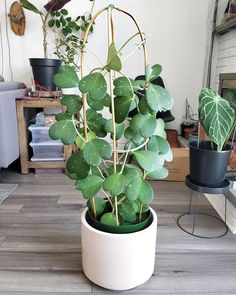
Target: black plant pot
pixel 43 71
pixel 207 166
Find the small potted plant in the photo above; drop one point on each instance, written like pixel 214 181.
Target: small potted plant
pixel 118 230
pixel 209 159
pixel 44 68
pixel 69 33
pixel 187 121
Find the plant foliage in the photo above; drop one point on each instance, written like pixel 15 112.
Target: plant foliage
pixel 114 181
pixel 216 116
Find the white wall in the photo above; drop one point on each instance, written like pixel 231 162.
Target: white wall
pixel 177 39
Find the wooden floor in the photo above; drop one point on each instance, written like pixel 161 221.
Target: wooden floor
pixel 40 247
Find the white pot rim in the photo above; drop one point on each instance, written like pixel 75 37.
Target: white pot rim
pixel 102 233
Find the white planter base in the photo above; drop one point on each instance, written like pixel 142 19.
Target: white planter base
pixel 118 261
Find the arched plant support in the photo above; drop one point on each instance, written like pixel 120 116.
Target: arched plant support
pixel 97 166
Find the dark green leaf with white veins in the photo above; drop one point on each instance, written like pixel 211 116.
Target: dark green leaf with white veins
pixel 89 186
pixel 114 183
pixel 123 87
pixel 158 98
pixel 77 165
pixel 95 85
pixel 96 122
pixel 63 130
pixel 139 189
pixel 73 103
pixel 122 107
pixel 66 78
pixel 100 205
pixel 97 150
pixel 216 116
pixel 146 124
pixel 113 60
pixel 152 72
pixel 147 160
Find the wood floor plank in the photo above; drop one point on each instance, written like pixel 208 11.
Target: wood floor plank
pixel 40 244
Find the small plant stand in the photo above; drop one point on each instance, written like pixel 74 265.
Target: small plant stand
pixel 188 222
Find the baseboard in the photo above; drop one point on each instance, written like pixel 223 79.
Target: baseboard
pixel 218 202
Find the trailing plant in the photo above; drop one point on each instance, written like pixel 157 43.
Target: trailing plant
pixel 69 33
pixel 113 180
pixel 216 116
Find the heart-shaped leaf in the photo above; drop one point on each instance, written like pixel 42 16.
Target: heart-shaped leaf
pixel 73 103
pixel 114 183
pixel 76 165
pixel 97 150
pixel 63 116
pixel 63 130
pixel 158 144
pixel 95 85
pixel 122 107
pixel 98 105
pixel 134 136
pixel 160 129
pixel 96 122
pixel 119 129
pixel 148 160
pixel 130 174
pixel 66 77
pixel 109 219
pixel 113 60
pixel 152 72
pixel 80 143
pixel 100 205
pixel 127 209
pixel 123 87
pixel 141 190
pixel 159 173
pixel 89 186
pixel 158 98
pixel 146 124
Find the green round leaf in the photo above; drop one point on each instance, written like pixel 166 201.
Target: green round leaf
pixel 123 87
pixel 152 72
pixel 109 219
pixel 159 173
pixel 95 85
pixel 96 122
pixel 77 166
pixel 122 107
pixel 63 130
pixel 100 205
pixel 113 60
pixel 73 103
pixel 158 98
pixel 148 160
pixel 66 77
pixel 141 190
pixel 114 183
pixel 158 144
pixel 119 129
pixel 146 124
pixel 89 186
pixel 97 150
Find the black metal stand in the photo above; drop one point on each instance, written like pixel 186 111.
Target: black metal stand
pixel 197 190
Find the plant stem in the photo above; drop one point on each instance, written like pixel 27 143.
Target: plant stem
pixel 134 149
pixel 74 123
pixel 94 207
pixel 125 159
pixel 140 212
pixel 108 198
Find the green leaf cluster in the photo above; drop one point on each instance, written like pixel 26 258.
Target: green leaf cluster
pixel 116 193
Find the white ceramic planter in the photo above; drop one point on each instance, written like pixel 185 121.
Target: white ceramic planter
pixel 118 261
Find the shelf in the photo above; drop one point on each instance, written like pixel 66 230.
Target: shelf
pixel 226 26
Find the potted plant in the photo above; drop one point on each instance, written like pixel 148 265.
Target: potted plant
pixel 118 229
pixel 187 122
pixel 209 159
pixel 69 33
pixel 44 68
